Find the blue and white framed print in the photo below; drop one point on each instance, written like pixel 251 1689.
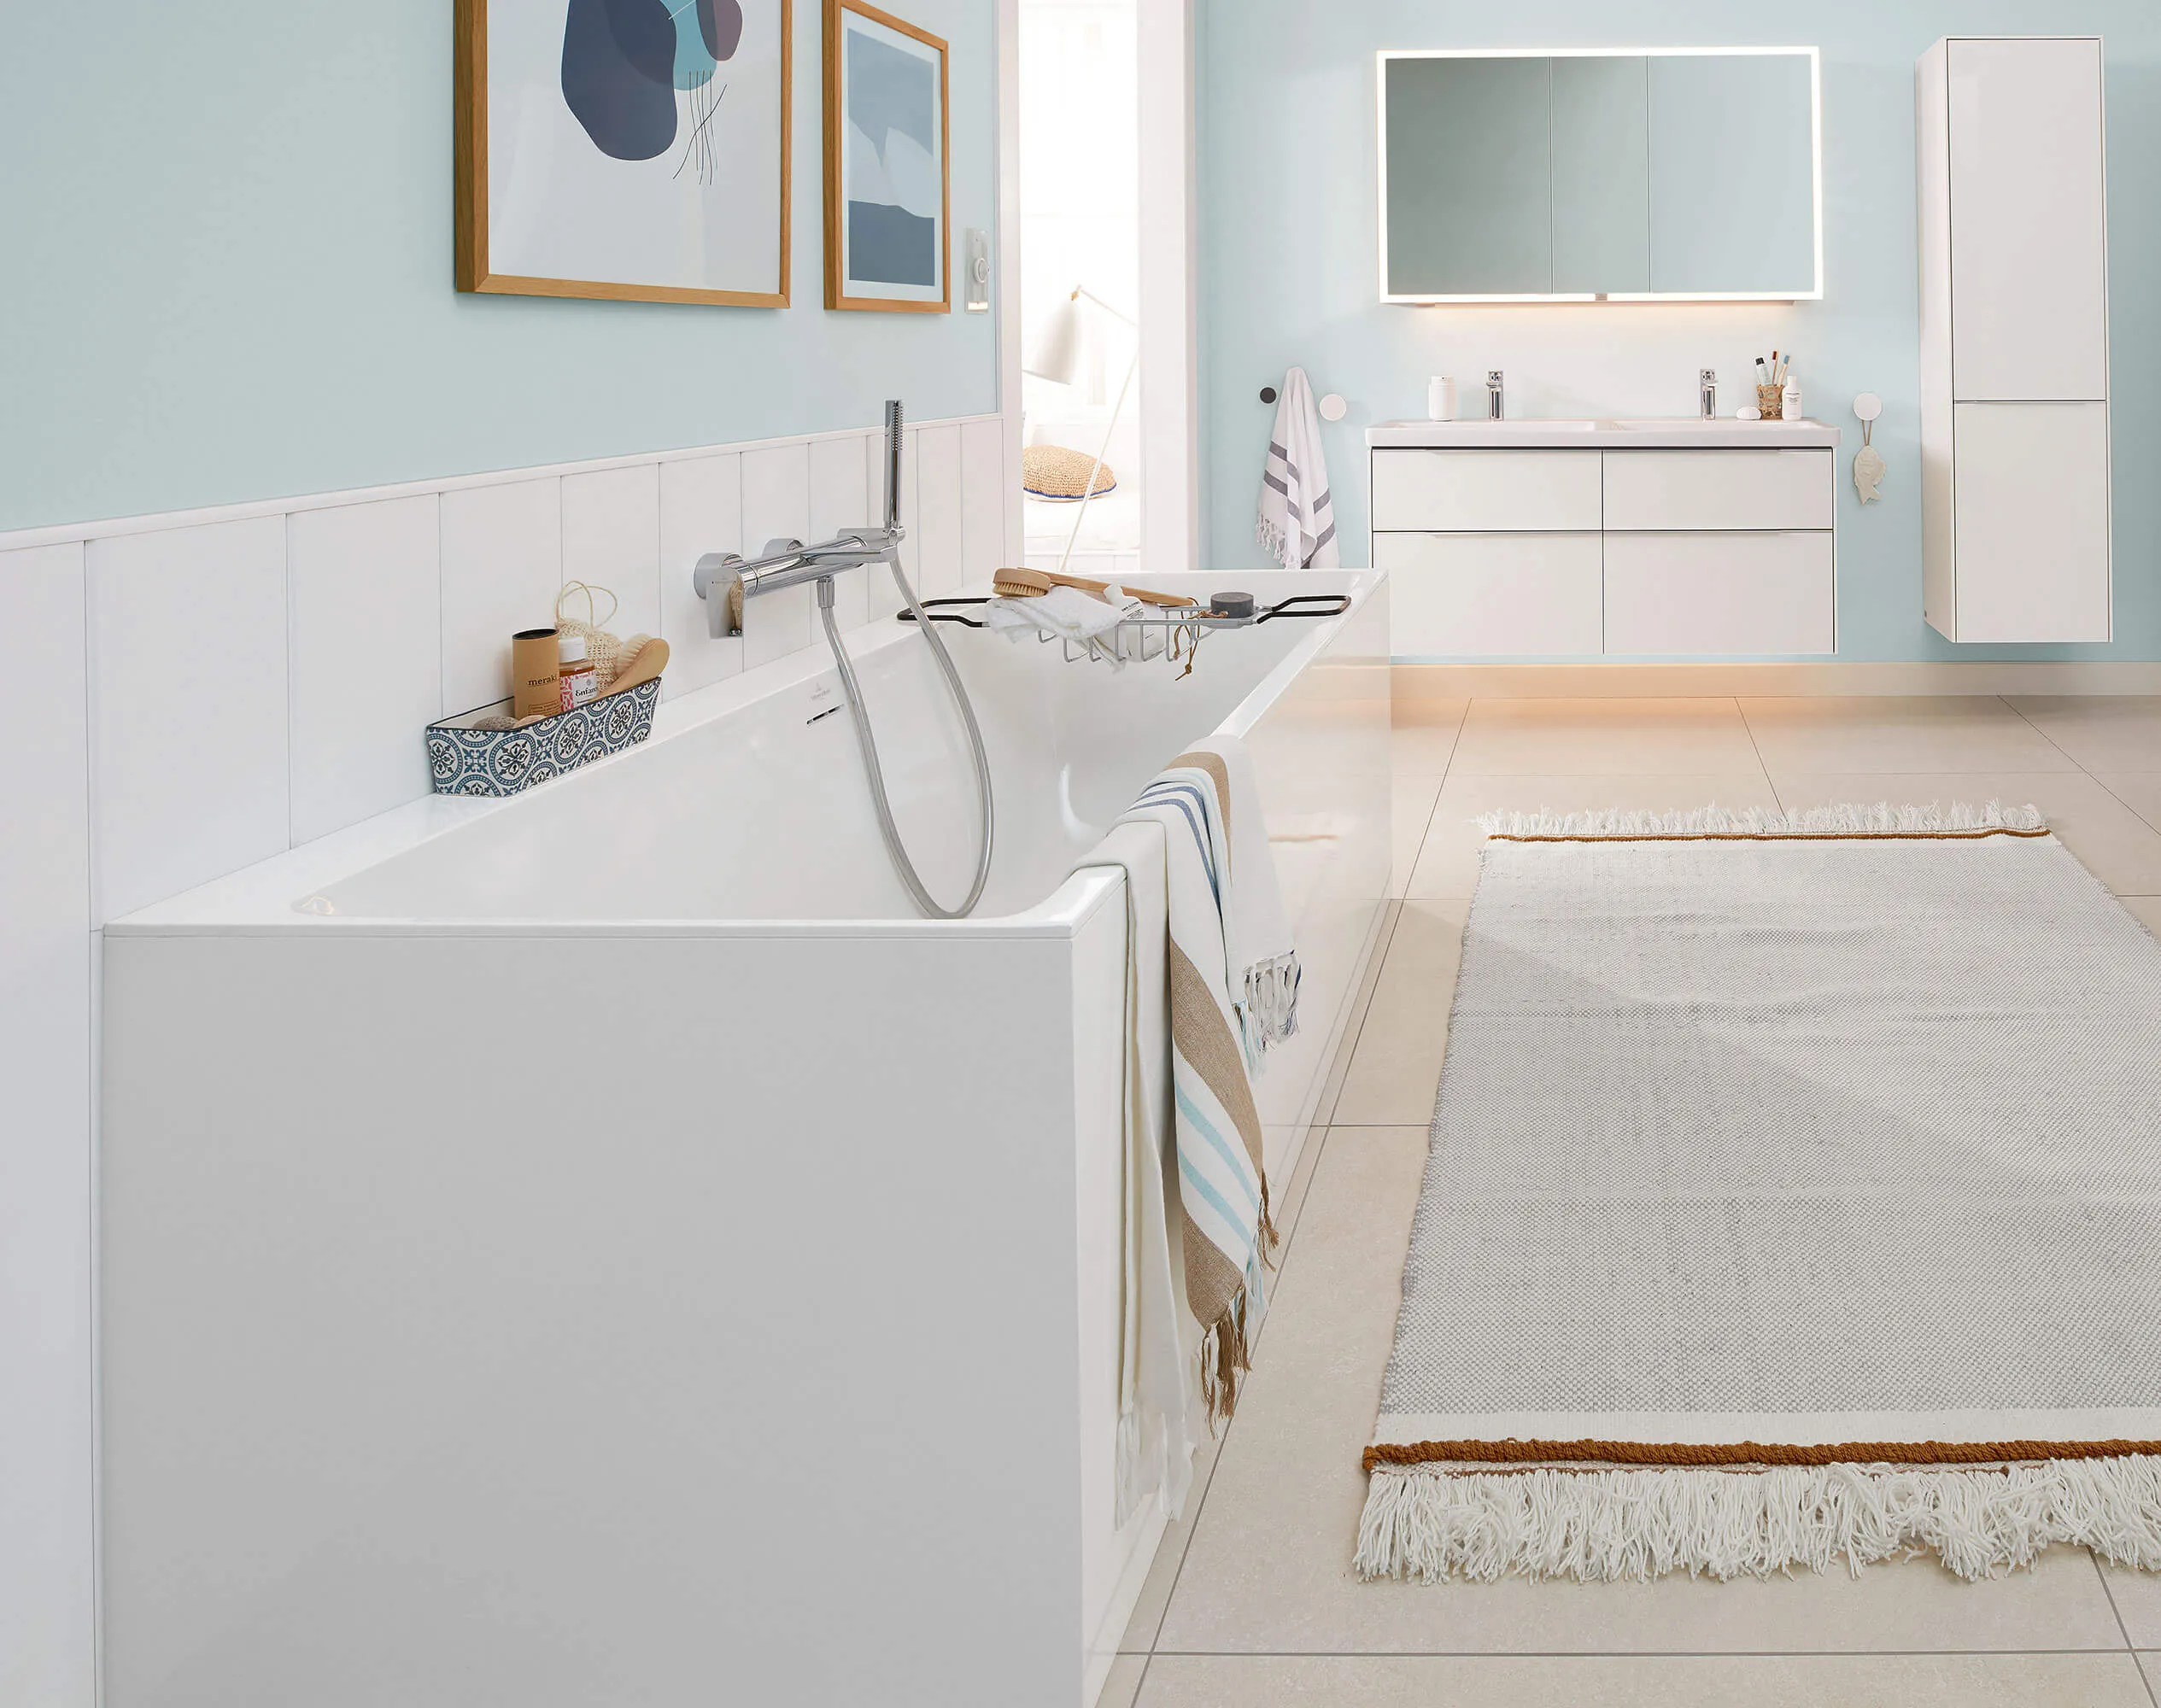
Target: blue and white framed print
pixel 625 149
pixel 888 185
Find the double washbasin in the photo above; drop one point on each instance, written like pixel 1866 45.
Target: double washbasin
pixel 1640 430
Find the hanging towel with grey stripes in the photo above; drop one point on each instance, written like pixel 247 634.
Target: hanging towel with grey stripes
pixel 1298 520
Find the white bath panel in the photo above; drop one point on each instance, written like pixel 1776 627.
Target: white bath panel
pixel 702 511
pixel 187 741
pixel 366 595
pixel 502 562
pixel 612 539
pixel 938 494
pixel 842 501
pixel 776 506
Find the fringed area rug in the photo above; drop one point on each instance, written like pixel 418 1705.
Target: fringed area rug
pixel 1795 1199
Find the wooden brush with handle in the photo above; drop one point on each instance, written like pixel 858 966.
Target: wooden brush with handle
pixel 1023 584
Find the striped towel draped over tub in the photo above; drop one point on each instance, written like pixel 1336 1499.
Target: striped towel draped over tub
pixel 1297 526
pixel 1211 962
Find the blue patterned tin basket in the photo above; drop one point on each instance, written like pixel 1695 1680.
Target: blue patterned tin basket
pixel 466 761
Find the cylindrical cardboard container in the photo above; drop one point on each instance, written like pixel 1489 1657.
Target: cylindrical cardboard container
pixel 534 665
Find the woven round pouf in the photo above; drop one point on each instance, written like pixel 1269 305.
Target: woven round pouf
pixel 1053 471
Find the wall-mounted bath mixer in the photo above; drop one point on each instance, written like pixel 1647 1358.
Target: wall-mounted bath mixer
pixel 727 581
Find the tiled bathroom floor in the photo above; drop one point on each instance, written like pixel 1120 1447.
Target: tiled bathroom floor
pixel 1252 1602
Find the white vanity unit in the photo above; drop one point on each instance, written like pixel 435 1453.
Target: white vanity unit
pixel 2014 340
pixel 1567 539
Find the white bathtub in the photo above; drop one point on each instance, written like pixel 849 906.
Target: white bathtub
pixel 602 1247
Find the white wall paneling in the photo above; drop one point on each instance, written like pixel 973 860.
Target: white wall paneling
pixel 502 563
pixel 983 505
pixel 46 1563
pixel 841 501
pixel 612 539
pixel 365 596
pixel 2014 340
pixel 702 511
pixel 938 498
pixel 881 598
pixel 776 506
pixel 189 700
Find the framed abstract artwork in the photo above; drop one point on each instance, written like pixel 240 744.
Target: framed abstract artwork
pixel 626 149
pixel 888 185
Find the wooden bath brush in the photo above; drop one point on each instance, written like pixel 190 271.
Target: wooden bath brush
pixel 1013 583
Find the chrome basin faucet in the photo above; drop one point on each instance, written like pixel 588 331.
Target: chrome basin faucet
pixel 726 580
pixel 1707 393
pixel 1494 398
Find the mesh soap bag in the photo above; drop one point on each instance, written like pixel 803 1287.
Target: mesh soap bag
pixel 608 654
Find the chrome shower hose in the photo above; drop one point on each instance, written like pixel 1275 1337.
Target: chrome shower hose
pixel 864 739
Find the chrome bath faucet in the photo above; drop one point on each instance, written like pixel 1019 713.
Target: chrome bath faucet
pixel 1708 393
pixel 1495 401
pixel 724 580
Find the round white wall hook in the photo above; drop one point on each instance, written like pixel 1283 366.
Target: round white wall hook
pixel 1333 407
pixel 1868 406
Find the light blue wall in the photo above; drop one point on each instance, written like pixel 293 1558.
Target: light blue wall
pixel 1288 246
pixel 226 272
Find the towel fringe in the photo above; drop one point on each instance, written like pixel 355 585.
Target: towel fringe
pixel 1599 1526
pixel 1268 1009
pixel 1844 819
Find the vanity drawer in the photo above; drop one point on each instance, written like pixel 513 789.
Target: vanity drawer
pixel 1479 492
pixel 1453 595
pixel 1718 488
pixel 1721 593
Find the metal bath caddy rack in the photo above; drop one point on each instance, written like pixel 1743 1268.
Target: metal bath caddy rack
pixel 1171 631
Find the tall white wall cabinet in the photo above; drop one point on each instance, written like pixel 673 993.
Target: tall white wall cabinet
pixel 2014 339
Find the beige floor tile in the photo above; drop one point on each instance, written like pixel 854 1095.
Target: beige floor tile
pixel 1448 864
pixel 1339 1069
pixel 1396 1068
pixel 1426 732
pixel 2101 732
pixel 1123 1685
pixel 1898 733
pixel 2117 846
pixel 2147 909
pixel 1268 1567
pixel 1560 737
pixel 2140 791
pixel 2036 1680
pixel 1147 1619
pixel 2150 1664
pixel 2137 1596
pixel 1412 809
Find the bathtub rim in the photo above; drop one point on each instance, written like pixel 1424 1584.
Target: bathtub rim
pixel 263 899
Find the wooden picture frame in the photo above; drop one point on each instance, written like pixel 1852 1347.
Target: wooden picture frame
pixel 473 239
pixel 842 289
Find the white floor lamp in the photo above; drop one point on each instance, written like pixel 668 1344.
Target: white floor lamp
pixel 1055 356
